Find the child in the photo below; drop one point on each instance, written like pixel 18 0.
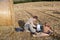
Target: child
pixel 47 29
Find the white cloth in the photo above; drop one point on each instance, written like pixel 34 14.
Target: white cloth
pixel 38 27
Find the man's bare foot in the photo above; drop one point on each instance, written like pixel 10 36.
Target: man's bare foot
pixel 34 35
pixel 40 35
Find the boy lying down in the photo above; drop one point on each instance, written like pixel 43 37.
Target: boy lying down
pixel 46 31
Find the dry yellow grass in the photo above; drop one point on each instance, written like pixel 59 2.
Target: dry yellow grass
pixel 46 11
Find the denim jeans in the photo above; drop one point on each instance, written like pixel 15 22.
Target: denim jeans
pixel 30 28
pixel 19 29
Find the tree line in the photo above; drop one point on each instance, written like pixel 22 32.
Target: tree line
pixel 23 1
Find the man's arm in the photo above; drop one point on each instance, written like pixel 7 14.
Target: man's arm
pixel 32 24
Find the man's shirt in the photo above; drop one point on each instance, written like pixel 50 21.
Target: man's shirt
pixel 31 22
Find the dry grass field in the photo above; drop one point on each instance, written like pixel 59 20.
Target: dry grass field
pixel 46 11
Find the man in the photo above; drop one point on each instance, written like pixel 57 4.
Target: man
pixel 30 26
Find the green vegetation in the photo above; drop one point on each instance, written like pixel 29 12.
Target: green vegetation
pixel 23 1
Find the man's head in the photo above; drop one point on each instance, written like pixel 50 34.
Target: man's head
pixel 35 17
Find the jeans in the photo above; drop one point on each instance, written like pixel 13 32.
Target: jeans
pixel 19 29
pixel 30 28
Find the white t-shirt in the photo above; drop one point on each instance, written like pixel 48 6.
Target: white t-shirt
pixel 30 21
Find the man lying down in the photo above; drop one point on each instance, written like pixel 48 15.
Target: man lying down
pixel 37 29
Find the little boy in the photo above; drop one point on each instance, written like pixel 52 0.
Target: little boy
pixel 47 29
